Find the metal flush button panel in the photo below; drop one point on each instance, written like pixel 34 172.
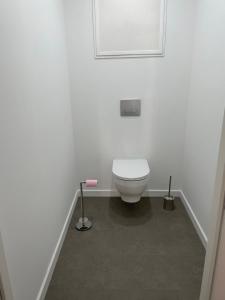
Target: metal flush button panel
pixel 130 108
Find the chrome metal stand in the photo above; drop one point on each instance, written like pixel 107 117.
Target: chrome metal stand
pixel 84 223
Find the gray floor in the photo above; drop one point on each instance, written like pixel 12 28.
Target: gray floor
pixel 133 252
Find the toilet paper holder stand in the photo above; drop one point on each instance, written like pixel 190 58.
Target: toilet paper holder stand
pixel 84 223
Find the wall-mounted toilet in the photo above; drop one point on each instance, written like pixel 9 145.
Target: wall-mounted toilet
pixel 131 177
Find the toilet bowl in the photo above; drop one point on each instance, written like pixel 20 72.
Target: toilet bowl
pixel 130 177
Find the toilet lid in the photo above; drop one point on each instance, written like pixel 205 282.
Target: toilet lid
pixel 131 169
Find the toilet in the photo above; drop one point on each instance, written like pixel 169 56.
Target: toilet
pixel 130 177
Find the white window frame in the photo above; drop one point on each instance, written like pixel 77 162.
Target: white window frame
pixel 129 53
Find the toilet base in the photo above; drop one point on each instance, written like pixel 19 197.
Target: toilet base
pixel 130 199
pixel 131 190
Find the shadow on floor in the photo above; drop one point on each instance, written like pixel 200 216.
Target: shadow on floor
pixel 130 214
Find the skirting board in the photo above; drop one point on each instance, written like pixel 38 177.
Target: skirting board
pixel 55 255
pixel 195 222
pixel 112 193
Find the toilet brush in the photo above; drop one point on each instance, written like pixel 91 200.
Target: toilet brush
pixel 169 199
pixel 84 223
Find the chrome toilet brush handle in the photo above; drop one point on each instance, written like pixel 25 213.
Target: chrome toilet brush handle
pixel 170 186
pixel 168 203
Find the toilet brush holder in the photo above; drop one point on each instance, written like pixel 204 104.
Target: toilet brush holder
pixel 168 203
pixel 84 223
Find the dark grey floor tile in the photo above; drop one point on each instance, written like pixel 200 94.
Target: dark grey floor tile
pixel 95 294
pixel 135 251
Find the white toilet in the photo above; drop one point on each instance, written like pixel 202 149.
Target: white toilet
pixel 131 177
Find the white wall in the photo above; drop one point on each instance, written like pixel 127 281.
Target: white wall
pixel 205 109
pixel 37 148
pixel 98 85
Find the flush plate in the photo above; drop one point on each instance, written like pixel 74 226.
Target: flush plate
pixel 130 108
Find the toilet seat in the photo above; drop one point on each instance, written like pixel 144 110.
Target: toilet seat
pixel 130 169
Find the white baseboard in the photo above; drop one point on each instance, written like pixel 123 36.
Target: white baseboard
pixel 115 193
pixel 101 193
pixel 160 193
pixel 195 222
pixel 55 255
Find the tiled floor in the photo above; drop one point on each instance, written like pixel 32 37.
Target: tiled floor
pixel 136 252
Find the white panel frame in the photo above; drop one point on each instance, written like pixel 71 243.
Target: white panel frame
pixel 129 53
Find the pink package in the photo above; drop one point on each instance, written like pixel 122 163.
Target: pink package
pixel 91 183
